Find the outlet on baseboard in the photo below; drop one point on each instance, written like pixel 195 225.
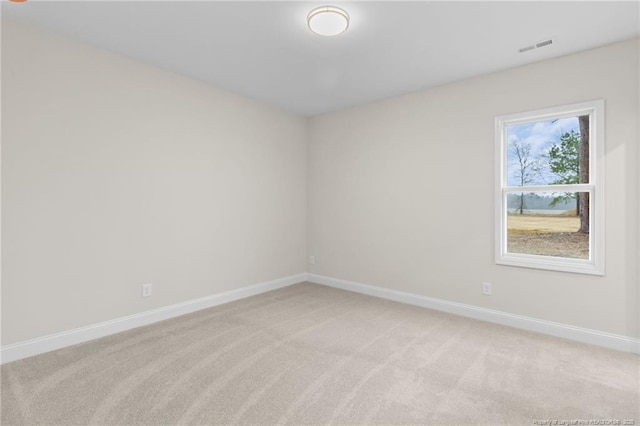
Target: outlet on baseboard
pixel 312 260
pixel 146 289
pixel 486 289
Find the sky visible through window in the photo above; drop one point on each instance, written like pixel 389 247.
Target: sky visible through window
pixel 534 140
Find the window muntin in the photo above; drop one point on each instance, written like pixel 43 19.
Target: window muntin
pixel 549 211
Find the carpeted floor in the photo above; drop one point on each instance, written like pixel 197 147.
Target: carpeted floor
pixel 309 354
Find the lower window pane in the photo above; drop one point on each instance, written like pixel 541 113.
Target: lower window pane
pixel 548 224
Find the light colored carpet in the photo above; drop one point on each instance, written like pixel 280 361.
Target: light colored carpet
pixel 309 354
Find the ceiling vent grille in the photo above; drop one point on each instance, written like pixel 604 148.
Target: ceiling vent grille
pixel 537 45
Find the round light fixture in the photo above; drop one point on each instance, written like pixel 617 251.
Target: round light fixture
pixel 328 20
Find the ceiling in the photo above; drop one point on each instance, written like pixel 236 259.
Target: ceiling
pixel 265 51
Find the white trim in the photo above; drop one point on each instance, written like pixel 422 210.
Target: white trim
pixel 63 339
pixel 576 187
pixel 584 335
pixel 560 111
pixel 595 265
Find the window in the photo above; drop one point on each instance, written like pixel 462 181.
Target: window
pixel 549 188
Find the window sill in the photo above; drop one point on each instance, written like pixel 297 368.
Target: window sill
pixel 550 263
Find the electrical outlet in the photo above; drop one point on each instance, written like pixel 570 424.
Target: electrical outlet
pixel 312 260
pixel 146 289
pixel 486 289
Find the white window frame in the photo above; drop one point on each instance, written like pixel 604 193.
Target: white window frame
pixel 595 265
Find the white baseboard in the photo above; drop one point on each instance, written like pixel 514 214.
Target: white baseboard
pixel 55 341
pixel 63 339
pixel 584 335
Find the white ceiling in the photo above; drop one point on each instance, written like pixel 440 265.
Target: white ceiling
pixel 264 50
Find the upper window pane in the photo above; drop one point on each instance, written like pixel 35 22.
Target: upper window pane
pixel 549 152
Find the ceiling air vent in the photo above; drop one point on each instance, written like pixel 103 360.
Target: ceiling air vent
pixel 537 45
pixel 524 49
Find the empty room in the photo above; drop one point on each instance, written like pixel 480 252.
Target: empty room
pixel 294 212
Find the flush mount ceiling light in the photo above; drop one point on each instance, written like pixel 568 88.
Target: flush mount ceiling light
pixel 328 20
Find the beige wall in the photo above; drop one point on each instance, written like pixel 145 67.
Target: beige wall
pixel 115 173
pixel 386 203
